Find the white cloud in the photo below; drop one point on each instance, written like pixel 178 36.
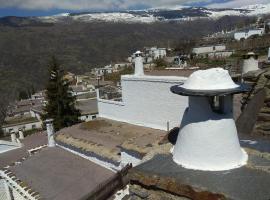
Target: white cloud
pixel 111 4
pixel 237 3
pixel 87 4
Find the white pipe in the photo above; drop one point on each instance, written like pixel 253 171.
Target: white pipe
pixel 13 137
pixel 50 132
pixel 21 136
pixel 139 64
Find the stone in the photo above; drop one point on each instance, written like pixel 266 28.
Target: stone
pixel 265 117
pixel 267 74
pixel 142 193
pixel 247 120
pixel 263 126
pixel 253 75
pixel 265 110
pixel 261 83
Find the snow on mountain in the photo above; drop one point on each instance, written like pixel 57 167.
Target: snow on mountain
pixel 116 17
pixel 177 13
pixel 258 9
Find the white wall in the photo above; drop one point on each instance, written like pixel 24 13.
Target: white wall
pixel 209 49
pixel 87 118
pixel 222 54
pixel 245 35
pixel 25 127
pixel 147 101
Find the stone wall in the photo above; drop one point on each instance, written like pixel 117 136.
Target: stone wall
pixel 259 80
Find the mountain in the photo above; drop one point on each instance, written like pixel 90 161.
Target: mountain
pixel 179 13
pixel 82 41
pixel 173 14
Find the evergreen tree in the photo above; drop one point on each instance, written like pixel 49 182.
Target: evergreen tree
pixel 61 103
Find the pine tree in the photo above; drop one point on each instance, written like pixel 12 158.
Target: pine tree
pixel 60 102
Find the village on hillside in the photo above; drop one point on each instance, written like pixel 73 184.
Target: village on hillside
pixel 164 123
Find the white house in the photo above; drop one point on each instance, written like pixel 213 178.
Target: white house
pixel 248 33
pixel 102 71
pixel 146 100
pixel 24 124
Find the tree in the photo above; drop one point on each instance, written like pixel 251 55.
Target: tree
pixel 61 103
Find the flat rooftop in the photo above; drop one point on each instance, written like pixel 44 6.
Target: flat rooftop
pixel 30 142
pixel 106 137
pixel 169 72
pixel 57 174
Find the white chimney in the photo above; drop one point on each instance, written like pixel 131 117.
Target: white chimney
pixel 21 136
pixel 138 64
pixel 250 62
pixel 13 136
pixel 50 132
pixel 268 55
pixel 208 139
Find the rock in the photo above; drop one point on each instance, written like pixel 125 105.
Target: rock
pixel 261 83
pixel 267 74
pixel 265 126
pixel 265 117
pixel 142 193
pixel 253 75
pixel 265 110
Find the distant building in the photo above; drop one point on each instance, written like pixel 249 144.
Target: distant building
pixel 24 123
pixel 248 33
pixel 88 109
pixel 212 51
pixel 102 71
pixel 150 54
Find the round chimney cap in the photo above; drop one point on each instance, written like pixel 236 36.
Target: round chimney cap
pixel 249 55
pixel 210 82
pixel 48 121
pixel 138 53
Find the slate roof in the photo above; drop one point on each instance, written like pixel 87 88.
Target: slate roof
pixel 88 106
pixel 57 174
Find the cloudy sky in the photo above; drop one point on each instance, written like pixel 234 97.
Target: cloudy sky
pixel 49 7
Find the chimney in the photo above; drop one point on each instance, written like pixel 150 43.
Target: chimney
pixel 250 62
pixel 138 64
pixel 207 139
pixel 13 136
pixel 21 136
pixel 268 55
pixel 50 132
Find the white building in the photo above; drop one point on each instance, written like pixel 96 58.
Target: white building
pixel 102 71
pixel 24 125
pixel 248 33
pixel 150 54
pixel 155 52
pixel 212 51
pixel 146 101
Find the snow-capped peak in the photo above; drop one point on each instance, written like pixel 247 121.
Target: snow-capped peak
pixel 175 13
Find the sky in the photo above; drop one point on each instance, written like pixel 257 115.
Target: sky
pixel 51 7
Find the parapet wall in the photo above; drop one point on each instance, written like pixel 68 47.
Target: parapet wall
pixel 147 101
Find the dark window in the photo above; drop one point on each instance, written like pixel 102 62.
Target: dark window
pixel 217 104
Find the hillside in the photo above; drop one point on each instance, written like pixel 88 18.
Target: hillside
pixel 26 46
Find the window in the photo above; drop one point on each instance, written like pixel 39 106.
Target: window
pixel 217 104
pixel 94 117
pixel 10 130
pixel 34 126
